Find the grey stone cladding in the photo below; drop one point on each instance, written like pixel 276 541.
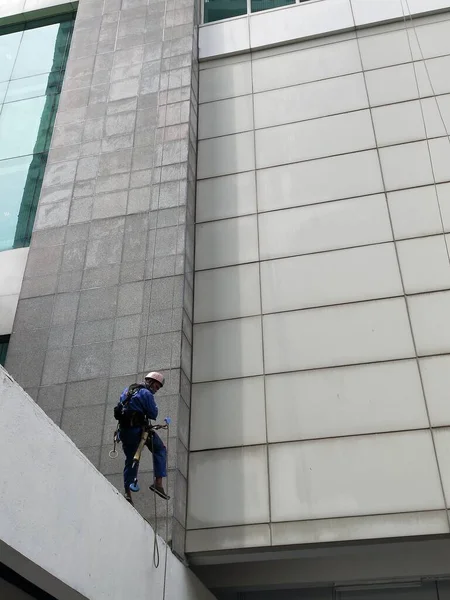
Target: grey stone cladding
pixel 108 288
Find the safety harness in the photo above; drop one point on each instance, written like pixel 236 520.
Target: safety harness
pixel 127 418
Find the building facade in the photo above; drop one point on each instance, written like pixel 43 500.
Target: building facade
pixel 254 199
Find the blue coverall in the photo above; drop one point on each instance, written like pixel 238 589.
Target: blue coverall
pixel 142 401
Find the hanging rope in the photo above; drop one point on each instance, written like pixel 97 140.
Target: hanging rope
pixel 156 553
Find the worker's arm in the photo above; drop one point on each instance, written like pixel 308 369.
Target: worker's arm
pixel 148 404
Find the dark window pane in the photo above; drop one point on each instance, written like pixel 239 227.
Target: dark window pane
pixel 4 341
pixel 258 5
pixel 215 10
pixel 20 185
pixel 9 46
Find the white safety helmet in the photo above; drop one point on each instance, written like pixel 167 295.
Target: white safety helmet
pixel 156 377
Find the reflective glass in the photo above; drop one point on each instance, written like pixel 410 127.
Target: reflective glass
pixel 25 126
pixel 37 52
pixel 20 185
pixel 216 10
pixel 3 88
pixel 9 46
pixel 258 5
pixel 31 87
pixel 32 63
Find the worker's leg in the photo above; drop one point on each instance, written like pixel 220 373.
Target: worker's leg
pixel 130 439
pixel 159 456
pixel 156 446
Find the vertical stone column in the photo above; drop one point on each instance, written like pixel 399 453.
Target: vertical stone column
pixel 108 288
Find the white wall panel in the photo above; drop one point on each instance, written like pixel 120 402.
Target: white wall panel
pixel 229 196
pixel 333 225
pixel 221 243
pixel 437 74
pixel 227 293
pixel 436 380
pixel 360 399
pixel 367 12
pixel 224 37
pixel 436 114
pixel 298 21
pixel 361 475
pixel 224 485
pixel 309 20
pixel 14 8
pixel 228 413
pixel 314 139
pixel 396 84
pixel 306 65
pixel 8 307
pixel 337 335
pixel 405 166
pixel 373 11
pixel 225 117
pixel 343 529
pixel 226 155
pixel 227 349
pixel 12 269
pixel 225 82
pixel 440 157
pixel 442 441
pixel 11 7
pixel 388 49
pixel 321 180
pixel 227 538
pixel 310 100
pixel 330 278
pixel 398 123
pixel 425 264
pixel 416 212
pixel 430 322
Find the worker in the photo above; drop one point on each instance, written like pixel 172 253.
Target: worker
pixel 139 407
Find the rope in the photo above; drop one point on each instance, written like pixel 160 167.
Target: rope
pixel 156 557
pixel 167 505
pixel 156 553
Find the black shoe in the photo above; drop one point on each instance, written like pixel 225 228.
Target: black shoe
pixel 128 498
pixel 158 489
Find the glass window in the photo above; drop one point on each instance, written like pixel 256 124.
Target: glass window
pixel 20 185
pixel 4 341
pixel 9 46
pixel 25 126
pixel 31 87
pixel 216 10
pixel 32 63
pixel 41 50
pixel 258 5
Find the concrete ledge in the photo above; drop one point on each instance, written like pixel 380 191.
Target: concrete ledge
pixel 64 527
